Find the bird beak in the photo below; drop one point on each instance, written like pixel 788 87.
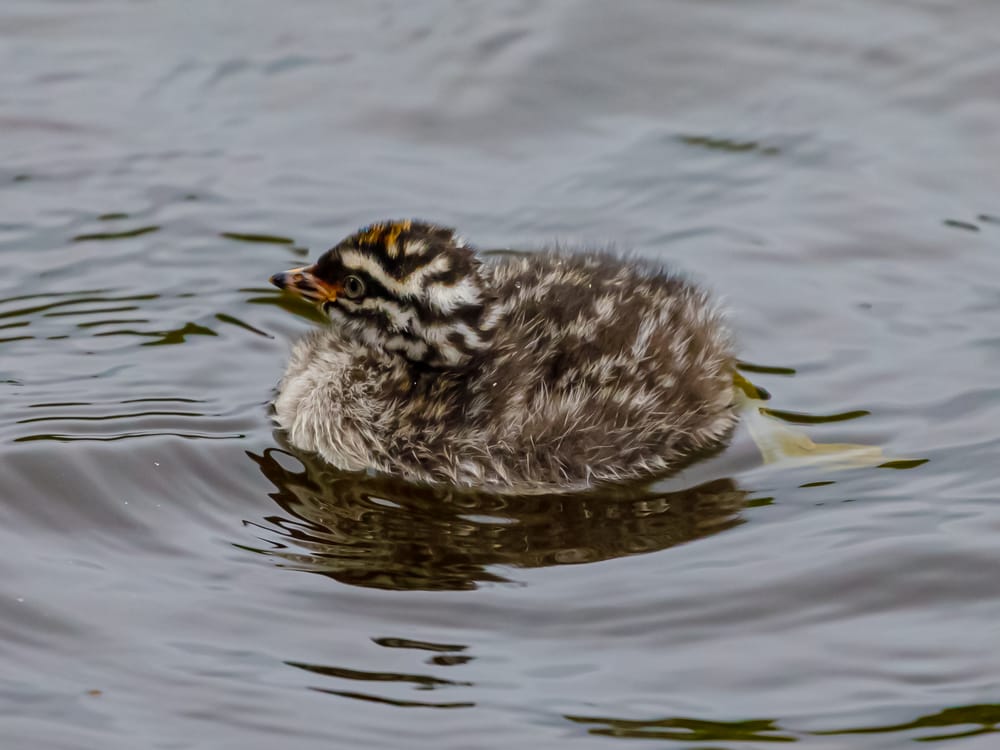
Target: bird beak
pixel 304 283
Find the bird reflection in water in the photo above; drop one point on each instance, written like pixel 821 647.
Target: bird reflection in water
pixel 383 532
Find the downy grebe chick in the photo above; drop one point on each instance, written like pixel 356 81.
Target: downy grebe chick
pixel 513 373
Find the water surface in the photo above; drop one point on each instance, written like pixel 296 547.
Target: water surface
pixel 172 575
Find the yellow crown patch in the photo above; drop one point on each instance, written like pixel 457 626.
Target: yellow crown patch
pixel 384 235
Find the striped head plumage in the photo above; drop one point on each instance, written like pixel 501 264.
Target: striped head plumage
pixel 407 287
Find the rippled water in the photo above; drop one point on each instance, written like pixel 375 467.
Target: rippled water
pixel 173 576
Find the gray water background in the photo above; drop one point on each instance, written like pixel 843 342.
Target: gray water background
pixel 172 576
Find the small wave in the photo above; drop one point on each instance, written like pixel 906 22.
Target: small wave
pixel 102 421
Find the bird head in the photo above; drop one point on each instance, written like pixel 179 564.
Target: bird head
pixel 407 287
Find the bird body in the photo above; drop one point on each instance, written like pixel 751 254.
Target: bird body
pixel 524 372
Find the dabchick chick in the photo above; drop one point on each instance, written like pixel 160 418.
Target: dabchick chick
pixel 519 373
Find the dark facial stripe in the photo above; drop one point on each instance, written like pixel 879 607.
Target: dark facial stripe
pixel 373 288
pixel 468 314
pixel 372 246
pixel 380 317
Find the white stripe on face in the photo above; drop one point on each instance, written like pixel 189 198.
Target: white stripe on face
pixel 394 324
pixel 415 248
pixel 434 343
pixel 401 318
pixel 408 286
pixel 449 297
pixel 439 335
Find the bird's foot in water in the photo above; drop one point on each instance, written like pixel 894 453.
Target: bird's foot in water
pixel 780 443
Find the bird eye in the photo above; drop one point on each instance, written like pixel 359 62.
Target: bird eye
pixel 354 287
